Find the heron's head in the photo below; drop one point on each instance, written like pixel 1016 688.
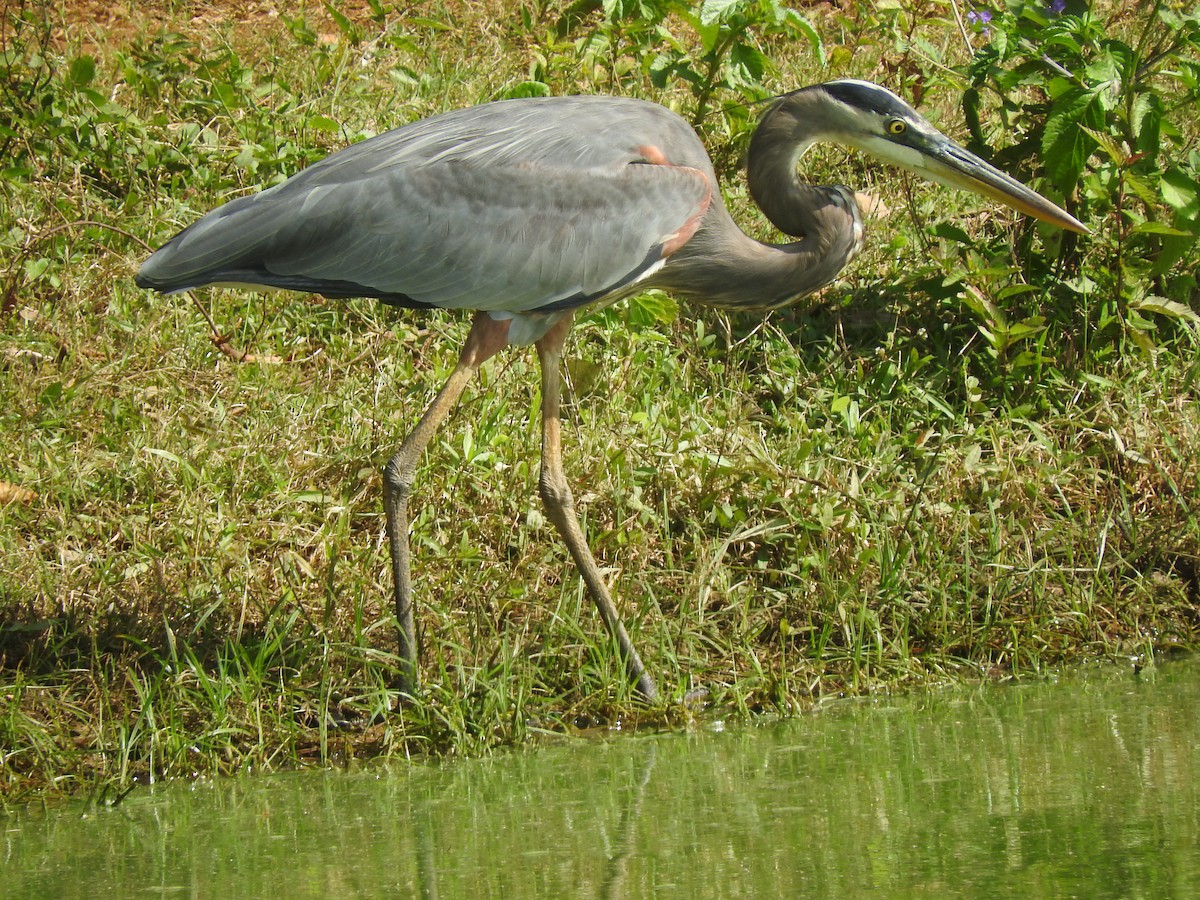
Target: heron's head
pixel 876 121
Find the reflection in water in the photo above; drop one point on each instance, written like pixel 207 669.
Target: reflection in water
pixel 1083 788
pixel 627 832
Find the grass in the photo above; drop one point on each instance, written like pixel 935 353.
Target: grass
pixel 863 494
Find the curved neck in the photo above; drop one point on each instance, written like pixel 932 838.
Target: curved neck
pixel 722 266
pixel 782 137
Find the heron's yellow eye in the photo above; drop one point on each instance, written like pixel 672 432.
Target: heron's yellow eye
pixel 897 126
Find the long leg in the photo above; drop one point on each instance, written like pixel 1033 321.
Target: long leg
pixel 560 505
pixel 487 338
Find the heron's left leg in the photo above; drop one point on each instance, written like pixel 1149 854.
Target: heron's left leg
pixel 487 338
pixel 560 505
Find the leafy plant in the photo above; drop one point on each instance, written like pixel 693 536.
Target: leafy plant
pixel 1101 102
pixel 722 54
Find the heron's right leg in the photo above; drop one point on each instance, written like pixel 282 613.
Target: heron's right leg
pixel 487 338
pixel 560 507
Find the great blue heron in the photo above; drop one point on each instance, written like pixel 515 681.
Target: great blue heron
pixel 527 210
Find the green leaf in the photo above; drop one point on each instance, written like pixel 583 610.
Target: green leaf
pixel 651 309
pixel 949 232
pixel 525 89
pixel 709 33
pixel 1027 358
pixel 349 29
pixel 1173 249
pixel 1115 152
pixel 35 268
pixel 81 71
pixel 1027 328
pixel 1181 192
pixel 1159 228
pixel 747 66
pixel 713 11
pixel 774 10
pixel 1137 185
pixel 403 75
pixel 300 30
pixel 1164 307
pixel 1142 340
pixel 1066 143
pixel 324 123
pixel 798 23
pixel 661 68
pixel 1014 290
pixel 585 375
pixel 983 307
pixel 51 394
pixel 311 497
pixel 1145 121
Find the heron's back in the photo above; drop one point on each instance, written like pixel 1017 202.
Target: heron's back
pixel 514 206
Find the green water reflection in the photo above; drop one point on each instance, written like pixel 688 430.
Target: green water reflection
pixel 1084 788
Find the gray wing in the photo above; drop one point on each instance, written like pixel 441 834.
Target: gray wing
pixel 515 207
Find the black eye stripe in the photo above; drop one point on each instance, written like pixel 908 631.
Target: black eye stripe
pixel 868 97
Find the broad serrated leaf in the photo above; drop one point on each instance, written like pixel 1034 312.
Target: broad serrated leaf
pixel 1108 144
pixel 1065 144
pixel 1159 228
pixel 650 309
pixel 1164 307
pixel 713 11
pixel 709 33
pixel 1139 186
pixel 747 66
pixel 660 69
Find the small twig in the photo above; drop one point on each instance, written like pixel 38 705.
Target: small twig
pixel 221 342
pixel 88 223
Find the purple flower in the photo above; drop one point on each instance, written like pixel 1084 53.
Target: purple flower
pixel 1056 6
pixel 979 19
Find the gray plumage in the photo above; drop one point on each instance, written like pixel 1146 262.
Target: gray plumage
pixel 514 207
pixel 525 210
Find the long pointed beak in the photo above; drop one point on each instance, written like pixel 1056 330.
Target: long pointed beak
pixel 945 162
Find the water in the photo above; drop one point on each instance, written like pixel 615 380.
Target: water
pixel 1082 788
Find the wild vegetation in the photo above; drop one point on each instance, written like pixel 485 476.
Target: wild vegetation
pixel 975 456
